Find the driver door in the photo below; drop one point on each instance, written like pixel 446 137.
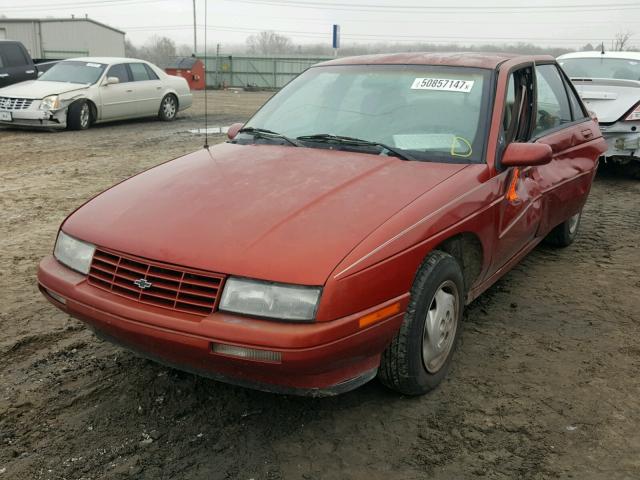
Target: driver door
pixel 118 99
pixel 520 208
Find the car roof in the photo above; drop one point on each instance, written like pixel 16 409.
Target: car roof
pixel 107 60
pixel 459 59
pixel 599 54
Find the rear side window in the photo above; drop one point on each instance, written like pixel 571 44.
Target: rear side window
pixel 552 103
pixel 152 74
pixel 140 74
pixel 13 55
pixel 577 111
pixel 120 71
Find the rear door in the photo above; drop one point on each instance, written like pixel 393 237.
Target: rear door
pixel 563 123
pixel 15 64
pixel 148 89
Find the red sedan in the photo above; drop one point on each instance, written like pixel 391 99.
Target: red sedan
pixel 339 233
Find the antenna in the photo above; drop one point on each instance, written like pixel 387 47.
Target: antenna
pixel 206 113
pixel 602 48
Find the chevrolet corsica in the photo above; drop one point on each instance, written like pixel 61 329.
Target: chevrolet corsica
pixel 340 232
pixel 79 92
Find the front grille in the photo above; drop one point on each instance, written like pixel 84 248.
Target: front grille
pixel 7 103
pixel 171 287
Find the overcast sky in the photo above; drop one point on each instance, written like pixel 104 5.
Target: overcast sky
pixel 570 23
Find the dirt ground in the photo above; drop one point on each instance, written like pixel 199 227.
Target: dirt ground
pixel 546 380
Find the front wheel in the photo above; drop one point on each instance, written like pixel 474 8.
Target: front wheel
pixel 79 115
pixel 420 354
pixel 565 233
pixel 168 108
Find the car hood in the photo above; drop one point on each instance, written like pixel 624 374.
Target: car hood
pixel 270 212
pixel 37 89
pixel 609 99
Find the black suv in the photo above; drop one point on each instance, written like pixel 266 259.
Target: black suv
pixel 16 64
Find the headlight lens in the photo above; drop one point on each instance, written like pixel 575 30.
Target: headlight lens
pixel 50 103
pixel 73 253
pixel 272 300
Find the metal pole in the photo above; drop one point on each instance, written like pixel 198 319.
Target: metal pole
pixel 195 38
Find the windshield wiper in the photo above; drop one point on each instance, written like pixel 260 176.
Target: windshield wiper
pixel 264 133
pixel 342 140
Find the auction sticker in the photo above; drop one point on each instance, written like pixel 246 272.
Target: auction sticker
pixel 446 84
pixel 94 65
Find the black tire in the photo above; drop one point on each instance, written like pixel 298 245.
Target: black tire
pixel 565 233
pixel 168 108
pixel 79 115
pixel 403 366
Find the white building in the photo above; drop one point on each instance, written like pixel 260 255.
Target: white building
pixel 58 38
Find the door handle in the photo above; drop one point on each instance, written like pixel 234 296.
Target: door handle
pixel 29 71
pixel 129 91
pixel 158 88
pixel 588 133
pixel 4 75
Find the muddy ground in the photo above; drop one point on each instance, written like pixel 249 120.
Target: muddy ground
pixel 546 380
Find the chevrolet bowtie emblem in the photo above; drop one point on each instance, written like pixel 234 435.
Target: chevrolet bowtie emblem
pixel 143 283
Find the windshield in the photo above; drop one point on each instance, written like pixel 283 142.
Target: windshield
pixel 619 68
pixel 74 72
pixel 430 112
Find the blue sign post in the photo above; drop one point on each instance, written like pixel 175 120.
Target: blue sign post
pixel 336 39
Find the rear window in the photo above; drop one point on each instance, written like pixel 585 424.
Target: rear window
pixel 618 68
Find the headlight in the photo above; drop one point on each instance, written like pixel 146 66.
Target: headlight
pixel 272 300
pixel 50 103
pixel 73 253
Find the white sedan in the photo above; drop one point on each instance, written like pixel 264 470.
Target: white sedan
pixel 609 84
pixel 79 92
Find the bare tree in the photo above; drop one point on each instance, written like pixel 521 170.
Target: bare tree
pixel 130 50
pixel 269 43
pixel 621 42
pixel 159 50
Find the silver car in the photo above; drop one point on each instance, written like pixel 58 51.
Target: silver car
pixel 609 84
pixel 79 92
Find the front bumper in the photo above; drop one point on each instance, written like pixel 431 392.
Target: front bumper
pixel 33 117
pixel 317 359
pixel 623 139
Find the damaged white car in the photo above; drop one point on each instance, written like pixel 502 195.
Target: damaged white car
pixel 609 84
pixel 77 93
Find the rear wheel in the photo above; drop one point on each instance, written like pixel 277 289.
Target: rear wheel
pixel 565 233
pixel 168 108
pixel 420 354
pixel 79 115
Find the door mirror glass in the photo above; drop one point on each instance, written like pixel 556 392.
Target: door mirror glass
pixel 111 80
pixel 526 154
pixel 233 130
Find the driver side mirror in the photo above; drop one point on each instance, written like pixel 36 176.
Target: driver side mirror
pixel 111 81
pixel 233 130
pixel 526 154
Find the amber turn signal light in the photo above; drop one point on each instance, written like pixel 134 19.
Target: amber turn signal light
pixel 378 315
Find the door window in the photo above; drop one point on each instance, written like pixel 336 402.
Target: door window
pixel 140 74
pixel 13 55
pixel 120 72
pixel 516 120
pixel 152 74
pixel 577 112
pixel 552 103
